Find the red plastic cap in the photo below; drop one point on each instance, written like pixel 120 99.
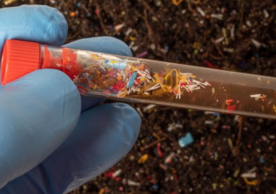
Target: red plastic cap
pixel 18 59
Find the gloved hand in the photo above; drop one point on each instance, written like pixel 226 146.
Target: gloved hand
pixel 48 143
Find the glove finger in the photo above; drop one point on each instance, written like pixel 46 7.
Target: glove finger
pixel 36 23
pixel 102 137
pixel 35 120
pixel 105 44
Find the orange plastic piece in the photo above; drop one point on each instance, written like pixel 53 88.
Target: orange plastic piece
pixel 143 158
pixel 177 2
pixel 252 183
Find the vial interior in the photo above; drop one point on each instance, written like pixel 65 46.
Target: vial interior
pixel 147 81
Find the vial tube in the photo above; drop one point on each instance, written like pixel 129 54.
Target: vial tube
pixel 146 81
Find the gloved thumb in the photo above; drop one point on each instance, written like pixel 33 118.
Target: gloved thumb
pixel 38 112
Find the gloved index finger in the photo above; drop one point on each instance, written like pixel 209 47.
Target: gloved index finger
pixel 37 23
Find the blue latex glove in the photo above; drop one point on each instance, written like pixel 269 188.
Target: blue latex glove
pixel 46 144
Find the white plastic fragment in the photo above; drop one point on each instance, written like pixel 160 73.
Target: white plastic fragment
pixel 156 86
pixel 117 173
pixel 118 27
pixel 237 118
pixel 193 87
pixel 130 182
pixel 248 23
pixel 152 46
pixel 132 89
pixel 131 44
pixel 256 43
pixel 229 50
pixel 201 83
pixel 178 95
pixel 191 159
pixel 110 57
pixel 202 13
pixel 173 126
pixel 266 13
pixel 145 109
pixel 264 138
pixel 217 16
pixel 249 175
pixel 140 112
pixel 135 48
pixel 209 122
pixel 219 40
pixel 169 158
pixel 158 3
pixel 256 96
pixel 154 19
pixel 252 170
pixel 129 30
pixel 145 74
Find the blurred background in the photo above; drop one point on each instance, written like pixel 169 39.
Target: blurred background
pixel 226 153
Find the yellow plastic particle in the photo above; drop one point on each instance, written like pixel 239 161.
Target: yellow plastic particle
pixel 132 67
pixel 101 191
pixel 274 108
pixel 172 78
pixel 155 135
pixel 7 2
pixel 177 2
pixel 132 38
pixel 143 158
pixel 95 56
pixel 252 183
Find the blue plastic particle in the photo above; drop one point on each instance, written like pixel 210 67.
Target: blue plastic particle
pixel 216 114
pixel 262 160
pixel 155 186
pixel 132 78
pixel 79 4
pixel 186 140
pixel 117 64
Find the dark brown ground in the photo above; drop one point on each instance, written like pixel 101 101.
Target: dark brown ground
pixel 179 33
